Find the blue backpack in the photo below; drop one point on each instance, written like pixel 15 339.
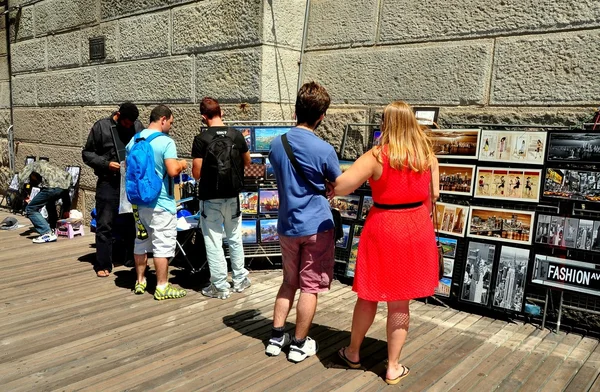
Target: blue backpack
pixel 142 183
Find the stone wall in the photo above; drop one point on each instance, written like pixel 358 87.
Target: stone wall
pixel 4 106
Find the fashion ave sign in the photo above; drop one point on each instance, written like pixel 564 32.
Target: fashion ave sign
pixel 567 274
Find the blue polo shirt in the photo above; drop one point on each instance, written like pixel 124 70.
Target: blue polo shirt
pixel 301 210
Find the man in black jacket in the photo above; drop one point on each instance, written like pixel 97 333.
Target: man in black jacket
pixel 103 152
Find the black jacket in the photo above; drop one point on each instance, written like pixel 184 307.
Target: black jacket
pixel 100 149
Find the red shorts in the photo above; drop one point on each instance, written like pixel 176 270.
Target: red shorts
pixel 308 261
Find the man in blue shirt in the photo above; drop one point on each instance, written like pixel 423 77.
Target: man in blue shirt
pixel 159 217
pixel 305 224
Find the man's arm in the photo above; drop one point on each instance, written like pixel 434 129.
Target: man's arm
pixel 175 166
pixel 196 168
pixel 247 158
pixel 90 154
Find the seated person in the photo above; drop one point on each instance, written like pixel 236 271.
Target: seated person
pixel 54 184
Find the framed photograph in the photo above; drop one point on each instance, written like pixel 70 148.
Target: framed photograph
pixel 269 201
pixel 448 267
pixel 511 278
pixel 542 231
pixel 270 173
pixel 570 236
pixel 14 183
pixel 501 225
pixel 443 288
pixel 451 218
pixel 456 179
pixel 426 115
pixel 75 172
pixel 263 136
pixel 572 184
pixel 343 242
pixel 348 205
pixel 353 251
pixel 448 246
pixel 478 273
pixel 596 237
pixel 268 230
pixel 249 203
pixel 366 207
pixel 508 184
pixel 556 233
pixel 585 234
pixel 574 147
pixel 249 231
pixel 455 143
pixel 513 146
pixel 345 165
pixel 247 134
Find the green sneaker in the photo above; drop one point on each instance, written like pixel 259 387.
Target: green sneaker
pixel 140 288
pixel 169 292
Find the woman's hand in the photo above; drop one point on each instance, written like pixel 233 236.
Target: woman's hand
pixel 329 190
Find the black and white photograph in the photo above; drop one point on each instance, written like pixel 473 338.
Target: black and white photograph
pixel 596 237
pixel 585 234
pixel 426 115
pixel 455 143
pixel 570 237
pixel 478 273
pixel 448 267
pixel 574 147
pixel 572 184
pixel 556 231
pixel 543 229
pixel 511 278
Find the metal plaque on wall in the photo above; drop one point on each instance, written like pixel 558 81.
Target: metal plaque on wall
pixel 97 51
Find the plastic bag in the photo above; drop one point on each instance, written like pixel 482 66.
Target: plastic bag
pixel 124 204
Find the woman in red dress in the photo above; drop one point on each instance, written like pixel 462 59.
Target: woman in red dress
pixel 397 254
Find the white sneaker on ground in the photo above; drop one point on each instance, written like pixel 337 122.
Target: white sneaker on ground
pixel 48 237
pixel 299 354
pixel 213 292
pixel 276 345
pixel 243 285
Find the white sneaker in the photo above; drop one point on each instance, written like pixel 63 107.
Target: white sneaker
pixel 243 285
pixel 275 346
pixel 48 237
pixel 299 354
pixel 213 292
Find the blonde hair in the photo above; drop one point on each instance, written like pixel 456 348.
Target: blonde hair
pixel 408 144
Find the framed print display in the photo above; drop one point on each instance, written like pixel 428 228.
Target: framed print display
pixel 572 184
pixel 426 115
pixel 511 278
pixel 455 143
pixel 247 134
pixel 348 205
pixel 574 147
pixel 451 218
pixel 501 225
pixel 366 207
pixel 478 273
pixel 448 267
pixel 508 184
pixel 566 274
pixel 512 146
pixel 345 165
pixel 268 230
pixel 249 231
pixel 354 251
pixel 443 287
pixel 269 201
pixel 343 242
pixel 569 232
pixel 263 136
pixel 448 246
pixel 249 203
pixel 456 179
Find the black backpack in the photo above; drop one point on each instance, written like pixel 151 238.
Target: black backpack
pixel 223 157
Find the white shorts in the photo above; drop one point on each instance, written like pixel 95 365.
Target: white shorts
pixel 162 233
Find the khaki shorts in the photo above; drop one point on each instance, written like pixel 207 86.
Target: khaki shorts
pixel 308 261
pixel 162 233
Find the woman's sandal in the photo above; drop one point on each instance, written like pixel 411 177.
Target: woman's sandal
pixel 351 364
pixel 405 371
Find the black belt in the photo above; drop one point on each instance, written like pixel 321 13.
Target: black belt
pixel 398 206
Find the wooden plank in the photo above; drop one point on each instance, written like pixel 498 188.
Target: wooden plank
pixel 563 375
pixel 587 374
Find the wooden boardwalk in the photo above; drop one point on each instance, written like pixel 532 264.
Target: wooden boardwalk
pixel 62 328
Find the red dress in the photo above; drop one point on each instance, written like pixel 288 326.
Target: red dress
pixel 397 254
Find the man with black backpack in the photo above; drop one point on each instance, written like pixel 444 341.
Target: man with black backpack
pixel 220 154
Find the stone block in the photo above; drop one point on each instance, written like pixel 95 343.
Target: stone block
pixel 24 90
pixel 283 22
pixel 89 203
pixel 547 69
pixel 144 36
pixel 4 68
pixel 544 116
pixel 28 55
pixel 333 126
pixel 90 115
pixel 168 80
pixel 110 32
pixel 22 26
pixel 69 156
pixel 64 50
pixel 22 151
pixel 112 9
pixel 209 25
pixel 5 94
pixel 230 76
pixel 409 21
pixel 3 49
pixel 277 111
pixel 61 126
pixel 279 74
pixel 339 23
pixel 75 87
pixel 448 74
pixel 5 120
pixel 57 15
